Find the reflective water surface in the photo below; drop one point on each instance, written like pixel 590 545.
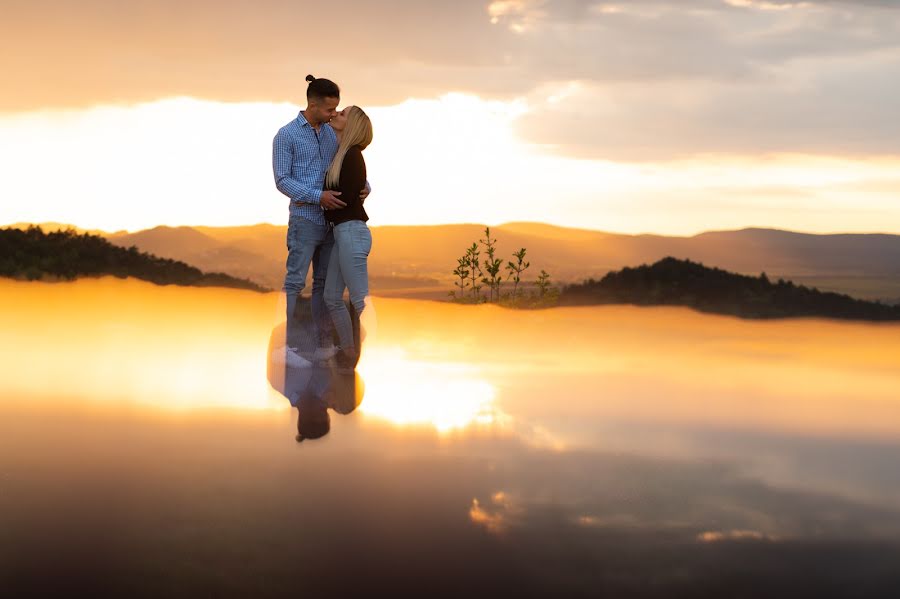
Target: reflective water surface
pixel 610 451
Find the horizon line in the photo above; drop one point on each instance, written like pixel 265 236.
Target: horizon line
pixel 20 224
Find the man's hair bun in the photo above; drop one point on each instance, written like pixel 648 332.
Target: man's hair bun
pixel 319 89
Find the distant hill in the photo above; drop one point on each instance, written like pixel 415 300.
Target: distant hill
pixel 258 253
pixel 418 260
pixel 676 282
pixel 33 254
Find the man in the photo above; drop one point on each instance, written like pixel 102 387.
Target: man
pixel 301 153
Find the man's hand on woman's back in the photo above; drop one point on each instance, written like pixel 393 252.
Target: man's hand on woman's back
pixel 329 200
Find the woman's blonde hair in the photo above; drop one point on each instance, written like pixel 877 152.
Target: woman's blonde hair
pixel 358 132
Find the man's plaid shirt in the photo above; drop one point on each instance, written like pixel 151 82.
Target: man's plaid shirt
pixel 300 158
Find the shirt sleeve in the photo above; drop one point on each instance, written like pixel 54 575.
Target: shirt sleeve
pixel 282 159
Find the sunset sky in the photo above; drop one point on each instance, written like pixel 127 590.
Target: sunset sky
pixel 636 116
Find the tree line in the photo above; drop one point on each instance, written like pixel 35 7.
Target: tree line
pixel 32 254
pixel 685 283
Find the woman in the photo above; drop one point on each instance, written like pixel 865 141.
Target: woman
pixel 348 267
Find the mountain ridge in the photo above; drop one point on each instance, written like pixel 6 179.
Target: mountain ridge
pixel 864 265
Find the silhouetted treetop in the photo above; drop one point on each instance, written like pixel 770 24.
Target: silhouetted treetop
pixel 674 282
pixel 33 254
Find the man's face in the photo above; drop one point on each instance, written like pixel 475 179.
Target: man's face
pixel 339 122
pixel 322 111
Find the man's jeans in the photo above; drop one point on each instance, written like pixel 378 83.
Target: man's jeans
pixel 348 268
pixel 308 243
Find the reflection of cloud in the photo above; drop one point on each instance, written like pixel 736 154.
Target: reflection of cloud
pixel 159 474
pixel 496 516
pixel 614 520
pixel 415 497
pixel 589 521
pixel 714 536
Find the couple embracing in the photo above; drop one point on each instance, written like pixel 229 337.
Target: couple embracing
pixel 318 163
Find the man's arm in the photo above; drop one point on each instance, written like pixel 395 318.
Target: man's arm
pixel 282 158
pixel 365 192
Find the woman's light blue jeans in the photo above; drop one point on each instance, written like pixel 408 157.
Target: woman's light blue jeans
pixel 348 268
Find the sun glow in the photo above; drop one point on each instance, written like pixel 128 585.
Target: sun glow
pixel 410 392
pixel 455 158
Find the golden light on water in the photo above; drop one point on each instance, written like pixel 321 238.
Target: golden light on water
pixel 176 348
pixel 548 377
pixel 134 342
pixel 411 392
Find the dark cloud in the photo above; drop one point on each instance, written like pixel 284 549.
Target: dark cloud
pixel 843 109
pixel 810 76
pixel 61 54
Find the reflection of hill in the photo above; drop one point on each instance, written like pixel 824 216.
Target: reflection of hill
pixel 33 254
pixel 409 257
pixel 685 283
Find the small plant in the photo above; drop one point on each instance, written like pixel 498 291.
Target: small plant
pixel 462 272
pixel 473 275
pixel 516 269
pixel 543 283
pixel 491 266
pixel 472 255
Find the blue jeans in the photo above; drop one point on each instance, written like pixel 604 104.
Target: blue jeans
pixel 349 269
pixel 307 243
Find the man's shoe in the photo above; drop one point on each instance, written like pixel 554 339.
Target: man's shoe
pixel 323 354
pixel 288 356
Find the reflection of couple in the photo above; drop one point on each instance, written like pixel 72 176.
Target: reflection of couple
pixel 318 163
pixel 312 386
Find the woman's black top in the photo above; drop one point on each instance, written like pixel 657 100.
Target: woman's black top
pixel 351 182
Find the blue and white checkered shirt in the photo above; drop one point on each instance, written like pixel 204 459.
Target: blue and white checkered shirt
pixel 300 158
